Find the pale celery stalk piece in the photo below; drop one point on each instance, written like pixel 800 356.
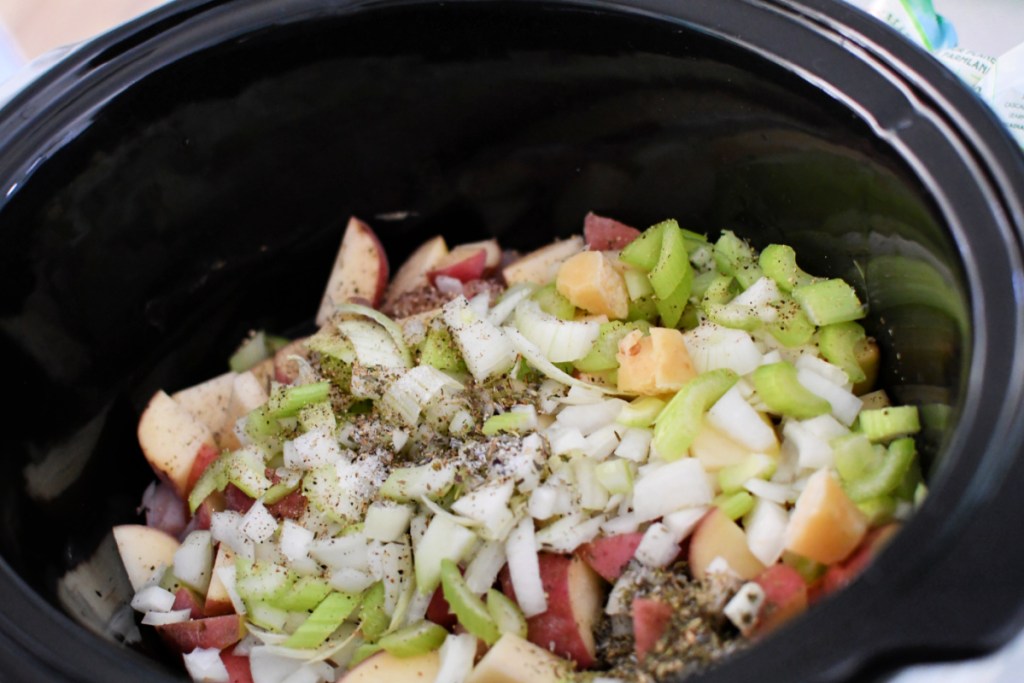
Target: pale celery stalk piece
pixel 680 421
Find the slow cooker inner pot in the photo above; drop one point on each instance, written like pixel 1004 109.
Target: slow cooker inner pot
pixel 208 199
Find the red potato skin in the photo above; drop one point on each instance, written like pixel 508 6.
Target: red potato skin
pixel 439 612
pixel 650 619
pixel 839 575
pixel 384 269
pixel 217 632
pixel 558 629
pixel 606 234
pixel 204 457
pixel 471 267
pixel 290 507
pixel 785 597
pixel 609 555
pixel 165 510
pixel 238 668
pixel 186 599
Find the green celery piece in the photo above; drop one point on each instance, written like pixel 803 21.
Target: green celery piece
pixel 553 303
pixel 886 424
pixel 756 466
pixel 778 261
pixel 417 639
pixel 886 478
pixel 276 343
pixel 641 412
pixel 643 252
pixel 439 350
pixel 637 283
pixel 306 593
pixel 673 264
pixel 287 402
pixel 920 494
pixel 807 568
pixel 735 257
pixel 406 484
pixel 263 582
pixel 261 427
pixel 602 355
pixel 214 478
pixel 908 487
pixel 736 317
pixel 778 388
pixel 855 456
pixel 247 471
pixel 691 318
pixel 671 308
pixel 615 475
pixel 252 351
pixel 702 281
pixel 513 423
pixel 266 617
pixel 679 422
pixel 792 328
pixel 718 290
pixel 506 613
pixel 317 416
pixel 644 309
pixel 878 510
pixel 735 505
pixel 373 620
pixel 829 302
pixel 170 582
pixel 695 239
pixel 468 608
pixel 327 341
pixel 838 343
pixel 323 621
pixel 362 652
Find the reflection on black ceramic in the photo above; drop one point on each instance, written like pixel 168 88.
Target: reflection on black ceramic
pixel 169 217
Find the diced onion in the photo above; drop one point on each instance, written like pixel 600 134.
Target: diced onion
pixel 845 405
pixel 204 665
pixel 766 530
pixel 457 654
pixel 713 347
pixel 163 618
pixel 484 347
pixel 668 488
pixel 735 418
pixel 524 569
pixel 559 340
pixel 153 599
pixel 537 359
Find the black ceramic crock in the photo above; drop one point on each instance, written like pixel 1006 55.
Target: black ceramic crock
pixel 185 178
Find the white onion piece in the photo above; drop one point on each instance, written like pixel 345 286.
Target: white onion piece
pixel 658 547
pixel 488 505
pixel 483 569
pixel 193 561
pixel 670 487
pixel 769 490
pixel 569 533
pixel 743 608
pixel 812 451
pixel 542 502
pixel 457 654
pixel 563 439
pixel 295 540
pixel 349 551
pixel 270 667
pixel 163 618
pixel 536 358
pixel 590 418
pixel 484 347
pixel 447 284
pixel 204 665
pixel 766 530
pixel 387 520
pixel 845 406
pixel 258 524
pixel 315 448
pixel 621 524
pixel 559 340
pixel 512 297
pixel 712 347
pixel 524 569
pixel 682 522
pixel 229 577
pixel 153 599
pixel 735 418
pixel 820 366
pixel 635 444
pixel 411 393
pixel 348 580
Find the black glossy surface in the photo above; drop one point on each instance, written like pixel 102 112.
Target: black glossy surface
pixel 169 217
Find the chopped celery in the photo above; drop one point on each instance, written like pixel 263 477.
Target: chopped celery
pixel 679 422
pixel 855 456
pixel 438 350
pixel 702 281
pixel 886 424
pixel 244 468
pixel 838 344
pixel 373 619
pixel 267 617
pixel 911 481
pixel 512 422
pixel 615 475
pixel 288 401
pixel 735 505
pixel 552 302
pixel 323 621
pixel 602 355
pixel 406 484
pixel 736 317
pixel 252 351
pixel 792 327
pixel 637 283
pixel 878 510
pixel 640 412
pixel 643 308
pixel 263 582
pixel 317 416
pixel 468 608
pixel 829 302
pixel 673 264
pixel 506 613
pixel 413 640
pixel 888 476
pixel 671 308
pixel 643 252
pixel 735 257
pixel 262 428
pixel 778 261
pixel 756 466
pixel 214 478
pixel 778 388
pixel 718 291
pixel 305 594
pixel 327 341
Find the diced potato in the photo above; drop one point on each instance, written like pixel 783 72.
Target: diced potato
pixel 590 281
pixel 654 365
pixel 715 450
pixel 825 526
pixel 717 536
pixel 514 660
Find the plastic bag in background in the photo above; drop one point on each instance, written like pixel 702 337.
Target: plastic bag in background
pixel 999 81
pixel 915 19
